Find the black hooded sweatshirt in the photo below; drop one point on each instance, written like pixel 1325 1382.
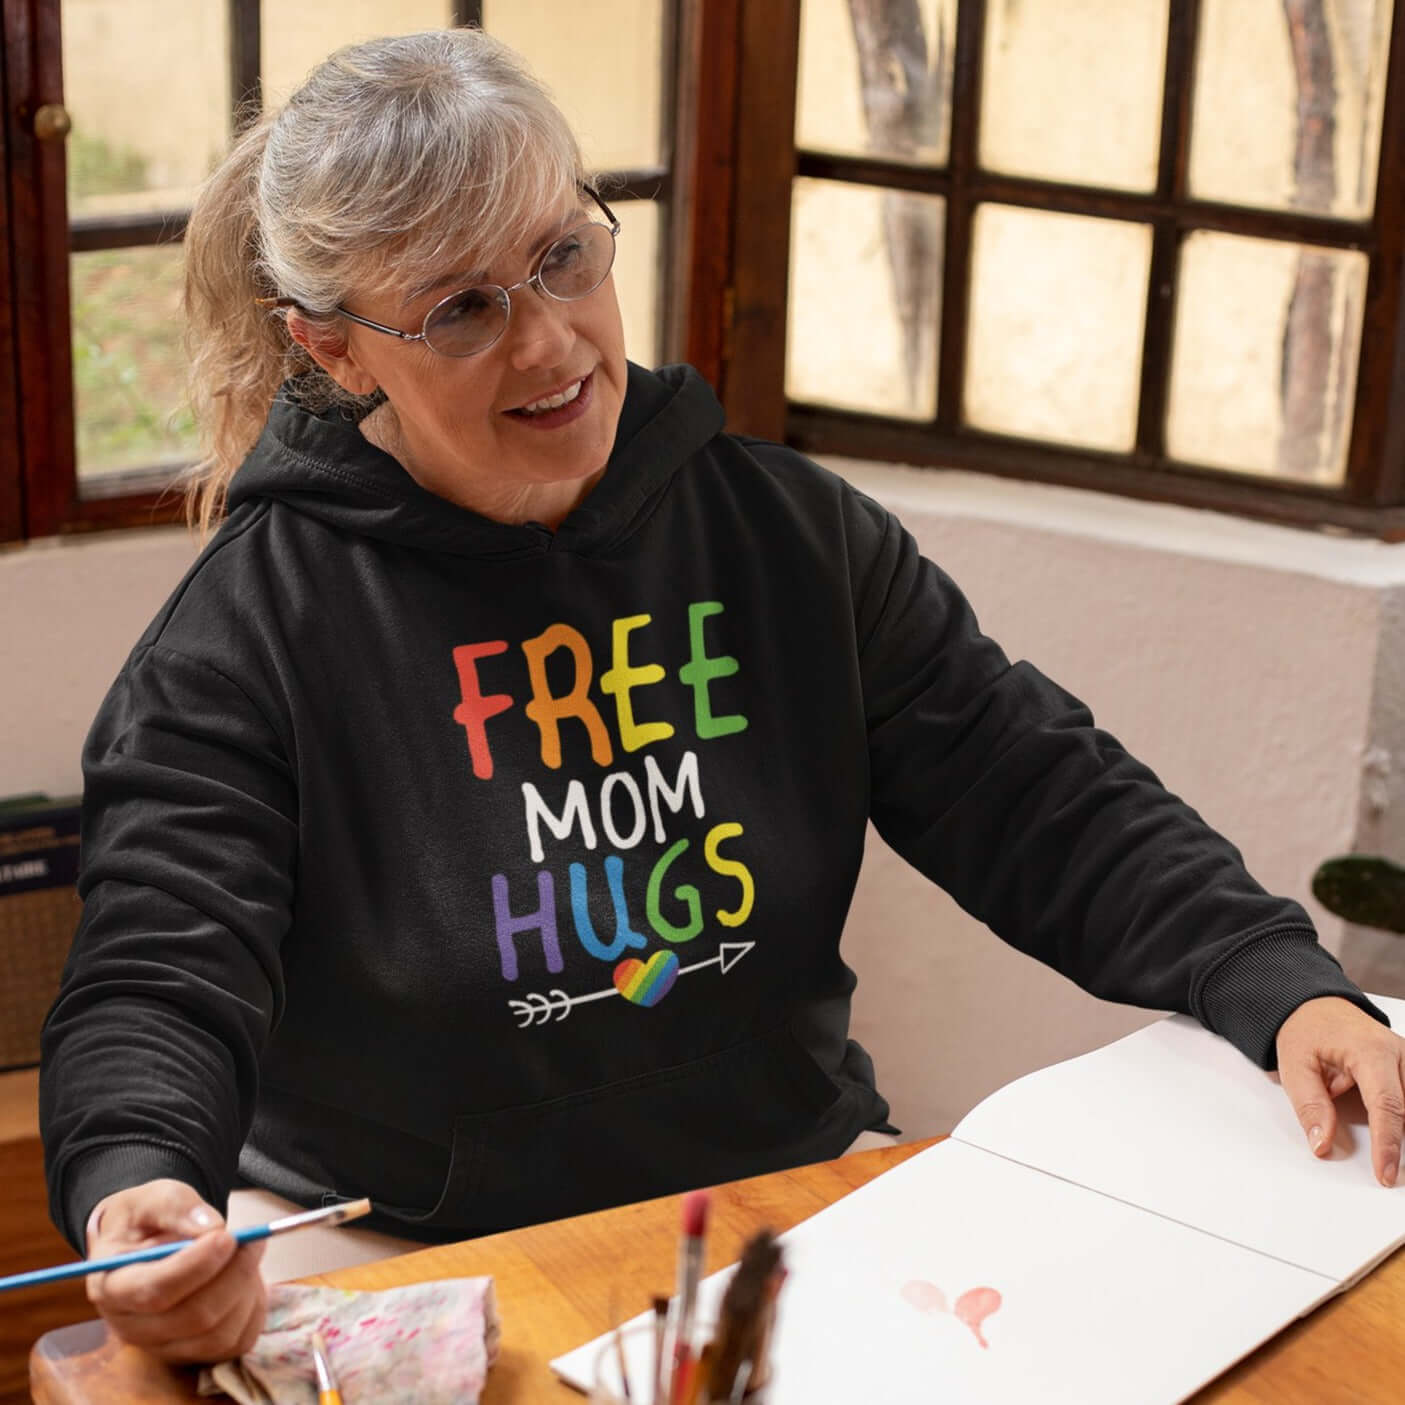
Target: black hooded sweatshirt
pixel 499 873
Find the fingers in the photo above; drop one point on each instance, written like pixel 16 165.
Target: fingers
pixel 1379 1079
pixel 1328 1045
pixel 153 1214
pixel 148 1214
pixel 211 1324
pixel 206 1302
pixel 253 1324
pixel 145 1290
pixel 1340 1082
pixel 1312 1101
pixel 216 1325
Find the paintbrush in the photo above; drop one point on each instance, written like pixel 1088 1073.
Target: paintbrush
pixel 619 1348
pixel 660 1332
pixel 743 1317
pixel 696 1390
pixel 328 1392
pixel 690 1262
pixel 332 1215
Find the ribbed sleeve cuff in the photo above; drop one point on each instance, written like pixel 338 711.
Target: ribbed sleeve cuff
pixel 1252 991
pixel 95 1174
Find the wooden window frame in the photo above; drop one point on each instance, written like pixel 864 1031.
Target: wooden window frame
pixel 11 488
pixel 39 489
pixel 1371 498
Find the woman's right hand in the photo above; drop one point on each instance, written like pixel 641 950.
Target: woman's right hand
pixel 204 1303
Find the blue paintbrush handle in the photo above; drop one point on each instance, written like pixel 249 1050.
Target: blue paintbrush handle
pixel 332 1215
pixel 86 1266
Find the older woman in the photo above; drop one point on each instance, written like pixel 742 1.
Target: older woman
pixel 474 827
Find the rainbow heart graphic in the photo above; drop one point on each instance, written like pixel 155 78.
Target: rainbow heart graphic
pixel 646 982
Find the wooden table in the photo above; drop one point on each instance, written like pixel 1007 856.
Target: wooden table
pixel 27 1238
pixel 554 1286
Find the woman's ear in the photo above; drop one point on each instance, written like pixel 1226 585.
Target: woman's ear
pixel 328 346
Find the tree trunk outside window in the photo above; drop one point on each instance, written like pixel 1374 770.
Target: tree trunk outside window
pixel 1311 404
pixel 902 107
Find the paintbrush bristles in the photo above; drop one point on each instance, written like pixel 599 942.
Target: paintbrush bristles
pixel 747 1290
pixel 743 1317
pixel 326 1378
pixel 658 1388
pixel 328 1217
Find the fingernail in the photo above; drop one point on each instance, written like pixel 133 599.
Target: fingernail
pixel 202 1218
pixel 1314 1138
pixel 1390 1173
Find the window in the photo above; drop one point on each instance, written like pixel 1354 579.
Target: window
pixel 119 108
pixel 1152 247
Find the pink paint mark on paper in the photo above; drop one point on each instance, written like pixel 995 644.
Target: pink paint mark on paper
pixel 924 1296
pixel 972 1307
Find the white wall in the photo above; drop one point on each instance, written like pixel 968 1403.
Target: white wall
pixel 1373 957
pixel 70 610
pixel 1259 670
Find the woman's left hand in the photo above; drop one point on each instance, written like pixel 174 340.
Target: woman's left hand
pixel 1328 1045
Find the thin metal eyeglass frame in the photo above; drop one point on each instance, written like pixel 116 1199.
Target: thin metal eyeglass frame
pixel 533 278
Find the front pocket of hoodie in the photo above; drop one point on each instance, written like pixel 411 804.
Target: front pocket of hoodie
pixel 699 1123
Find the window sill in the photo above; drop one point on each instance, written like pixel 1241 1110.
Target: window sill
pixel 1105 517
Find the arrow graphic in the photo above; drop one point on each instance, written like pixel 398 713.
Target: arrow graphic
pixel 728 954
pixel 539 1008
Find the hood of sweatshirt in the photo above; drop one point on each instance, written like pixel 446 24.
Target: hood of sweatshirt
pixel 320 464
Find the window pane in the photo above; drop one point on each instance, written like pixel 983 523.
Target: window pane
pixel 637 277
pixel 296 35
pixel 875 77
pixel 1263 374
pixel 147 85
pixel 129 364
pixel 1072 91
pixel 865 298
pixel 1058 305
pixel 603 63
pixel 1288 103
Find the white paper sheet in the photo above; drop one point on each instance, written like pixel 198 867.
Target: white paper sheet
pixel 1100 1304
pixel 1177 1121
pixel 1148 1213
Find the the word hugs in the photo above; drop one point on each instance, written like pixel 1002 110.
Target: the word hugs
pixel 672 907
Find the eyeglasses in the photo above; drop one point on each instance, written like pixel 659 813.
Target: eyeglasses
pixel 472 319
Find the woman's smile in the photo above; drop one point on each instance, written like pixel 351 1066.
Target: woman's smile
pixel 557 407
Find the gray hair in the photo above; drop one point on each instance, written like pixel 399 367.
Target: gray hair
pixel 392 157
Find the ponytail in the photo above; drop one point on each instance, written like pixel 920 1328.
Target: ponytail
pixel 239 352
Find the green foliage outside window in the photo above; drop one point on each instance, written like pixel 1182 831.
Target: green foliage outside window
pixel 128 362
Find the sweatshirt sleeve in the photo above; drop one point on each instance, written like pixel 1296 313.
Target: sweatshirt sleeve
pixel 150 1052
pixel 995 783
